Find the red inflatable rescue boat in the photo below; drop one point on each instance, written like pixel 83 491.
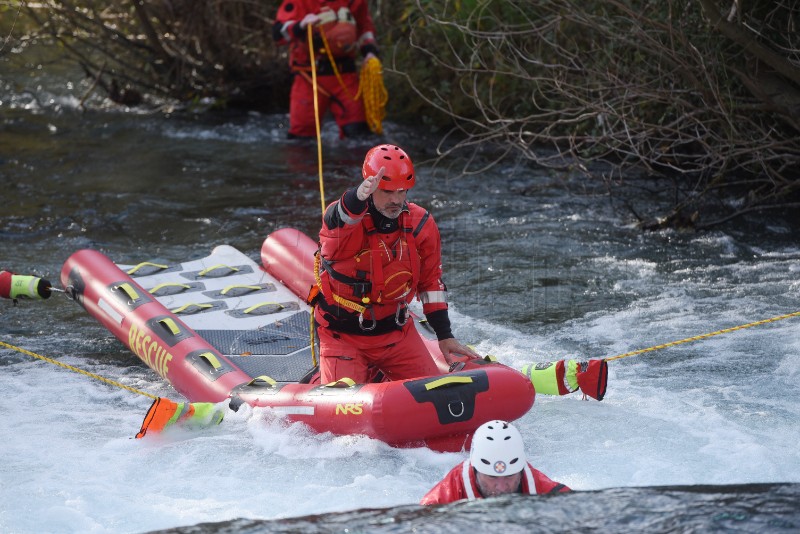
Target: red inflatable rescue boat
pixel 224 327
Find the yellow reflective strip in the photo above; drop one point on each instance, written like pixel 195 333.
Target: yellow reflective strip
pixel 206 271
pixel 254 288
pixel 257 306
pixel 342 382
pixel 170 325
pixel 447 380
pixel 128 290
pixel 180 409
pixel 571 375
pixel 213 360
pixel 185 306
pixel 205 414
pixel 24 286
pixel 544 380
pixel 147 264
pixel 432 297
pixel 169 284
pixel 488 357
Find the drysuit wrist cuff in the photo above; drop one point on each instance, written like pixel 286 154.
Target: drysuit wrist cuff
pixel 352 203
pixel 440 322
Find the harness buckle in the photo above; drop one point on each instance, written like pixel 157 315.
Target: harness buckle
pixel 360 289
pixel 401 310
pixel 361 320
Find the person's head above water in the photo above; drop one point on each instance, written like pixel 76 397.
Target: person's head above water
pixel 498 456
pixel 398 174
pixel 393 170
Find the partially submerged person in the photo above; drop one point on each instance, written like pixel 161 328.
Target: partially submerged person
pixel 497 465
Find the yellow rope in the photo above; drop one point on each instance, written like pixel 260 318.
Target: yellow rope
pixel 373 92
pixel 316 115
pixel 333 64
pixel 704 336
pixel 313 330
pixel 81 371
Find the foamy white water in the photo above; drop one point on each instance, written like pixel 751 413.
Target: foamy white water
pixel 717 411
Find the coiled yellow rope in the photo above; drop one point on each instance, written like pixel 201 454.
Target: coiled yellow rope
pixel 373 92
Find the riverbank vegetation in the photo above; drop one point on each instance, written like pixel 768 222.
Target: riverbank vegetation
pixel 704 93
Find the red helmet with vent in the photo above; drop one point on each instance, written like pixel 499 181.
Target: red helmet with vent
pixel 399 171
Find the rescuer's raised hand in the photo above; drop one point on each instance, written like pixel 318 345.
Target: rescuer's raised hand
pixel 369 185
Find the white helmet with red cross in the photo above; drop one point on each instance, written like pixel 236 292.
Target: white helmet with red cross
pixel 497 449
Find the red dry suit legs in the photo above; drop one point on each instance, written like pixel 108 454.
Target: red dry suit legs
pixel 346 110
pixel 401 354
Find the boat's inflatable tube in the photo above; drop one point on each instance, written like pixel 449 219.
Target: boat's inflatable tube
pixel 156 335
pixel 438 411
pixel 288 255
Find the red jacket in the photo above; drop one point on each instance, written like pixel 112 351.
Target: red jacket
pixel 291 12
pixel 452 487
pixel 408 250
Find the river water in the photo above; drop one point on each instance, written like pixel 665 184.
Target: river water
pixel 540 265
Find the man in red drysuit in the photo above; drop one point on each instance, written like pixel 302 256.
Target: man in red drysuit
pixel 377 252
pixel 341 29
pixel 496 466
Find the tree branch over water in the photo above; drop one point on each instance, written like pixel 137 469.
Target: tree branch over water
pixel 183 49
pixel 669 87
pixel 706 93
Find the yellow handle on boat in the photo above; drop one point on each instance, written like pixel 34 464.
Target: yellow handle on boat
pixel 251 288
pixel 205 272
pixel 147 264
pixel 448 381
pixel 170 325
pixel 345 382
pixel 159 287
pixel 213 360
pixel 255 307
pixel 263 379
pixel 128 290
pixel 190 305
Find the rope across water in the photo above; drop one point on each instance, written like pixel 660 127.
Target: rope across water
pixel 703 336
pixel 77 370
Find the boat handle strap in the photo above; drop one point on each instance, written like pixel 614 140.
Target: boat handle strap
pixel 448 381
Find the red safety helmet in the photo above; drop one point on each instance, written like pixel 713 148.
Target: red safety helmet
pixel 399 171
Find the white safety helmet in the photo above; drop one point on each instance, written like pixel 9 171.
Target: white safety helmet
pixel 497 449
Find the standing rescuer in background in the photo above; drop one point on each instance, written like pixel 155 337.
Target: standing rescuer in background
pixel 341 29
pixel 497 466
pixel 378 252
